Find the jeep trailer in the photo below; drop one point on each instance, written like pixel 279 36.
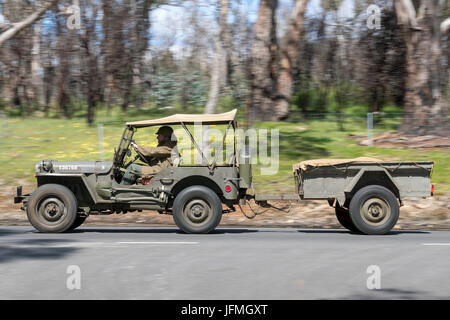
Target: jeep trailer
pixel 366 193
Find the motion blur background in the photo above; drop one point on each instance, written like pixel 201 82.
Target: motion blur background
pixel 338 78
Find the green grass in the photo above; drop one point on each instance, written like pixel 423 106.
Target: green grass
pixel 23 142
pixel 26 141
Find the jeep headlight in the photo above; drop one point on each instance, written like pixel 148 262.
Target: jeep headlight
pixel 46 165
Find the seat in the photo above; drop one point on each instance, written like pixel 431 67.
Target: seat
pixel 176 162
pixel 176 157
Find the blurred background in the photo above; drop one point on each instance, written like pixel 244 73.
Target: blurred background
pixel 338 78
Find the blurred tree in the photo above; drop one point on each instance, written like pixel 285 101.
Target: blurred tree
pixel 219 67
pixel 15 27
pixel 137 39
pixel 445 30
pixel 329 61
pixel 65 45
pixel 19 47
pixel 219 70
pixel 382 72
pixel 112 49
pixel 288 61
pixel 35 63
pixel 424 103
pixel 263 64
pixel 192 85
pixel 90 56
pixel 164 78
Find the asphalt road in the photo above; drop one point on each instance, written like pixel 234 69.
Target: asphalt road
pixel 162 263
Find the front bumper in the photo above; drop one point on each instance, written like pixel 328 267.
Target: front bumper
pixel 19 198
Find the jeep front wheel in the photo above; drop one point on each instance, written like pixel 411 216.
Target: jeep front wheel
pixel 197 209
pixel 52 208
pixel 78 222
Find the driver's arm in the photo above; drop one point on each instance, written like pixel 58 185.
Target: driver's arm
pixel 154 152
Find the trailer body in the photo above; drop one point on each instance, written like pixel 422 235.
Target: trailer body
pixel 365 192
pixel 341 180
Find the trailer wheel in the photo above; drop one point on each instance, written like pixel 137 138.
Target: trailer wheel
pixel 52 208
pixel 197 209
pixel 374 210
pixel 343 216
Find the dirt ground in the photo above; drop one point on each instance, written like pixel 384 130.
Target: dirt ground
pixel 397 140
pixel 431 213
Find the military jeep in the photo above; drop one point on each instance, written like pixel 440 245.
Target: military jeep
pixel 68 192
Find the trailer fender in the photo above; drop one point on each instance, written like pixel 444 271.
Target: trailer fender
pixel 383 178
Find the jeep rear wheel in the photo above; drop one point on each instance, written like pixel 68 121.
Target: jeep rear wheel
pixel 52 208
pixel 197 209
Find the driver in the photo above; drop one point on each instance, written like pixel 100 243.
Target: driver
pixel 157 158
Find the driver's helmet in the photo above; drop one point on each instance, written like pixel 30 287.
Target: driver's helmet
pixel 166 131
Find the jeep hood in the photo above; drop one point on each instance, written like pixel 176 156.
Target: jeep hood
pixel 72 167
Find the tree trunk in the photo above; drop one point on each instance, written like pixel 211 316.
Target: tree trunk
pixel 10 87
pixel 263 53
pixel 219 67
pixel 134 38
pixel 93 80
pixel 35 62
pixel 62 97
pixel 108 52
pixel 424 104
pixel 288 61
pixel 139 11
pixel 48 84
pixel 218 72
pixel 92 85
pixel 126 93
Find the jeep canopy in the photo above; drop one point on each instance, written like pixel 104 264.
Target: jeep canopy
pixel 204 119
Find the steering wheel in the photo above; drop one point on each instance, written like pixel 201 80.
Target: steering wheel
pixel 139 156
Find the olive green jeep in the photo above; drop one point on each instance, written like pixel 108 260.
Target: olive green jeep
pixel 68 192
